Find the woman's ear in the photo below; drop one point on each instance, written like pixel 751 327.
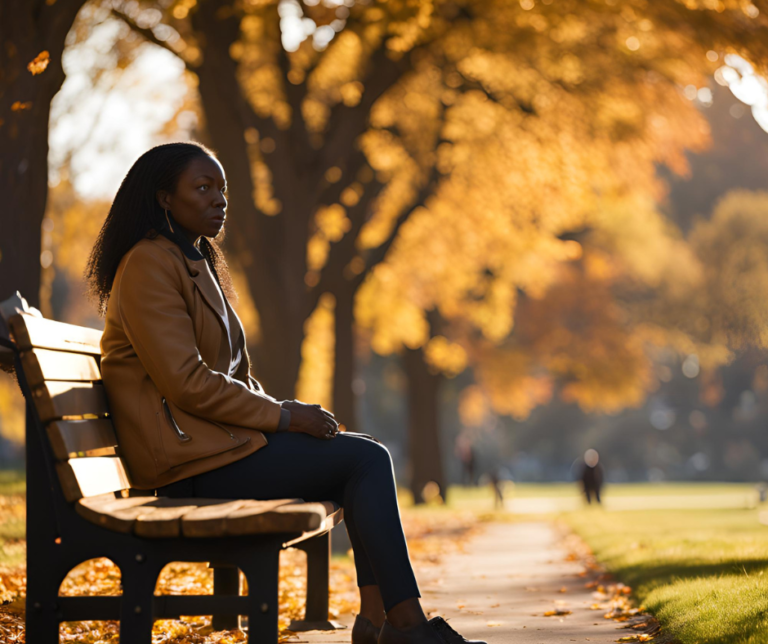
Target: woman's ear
pixel 163 198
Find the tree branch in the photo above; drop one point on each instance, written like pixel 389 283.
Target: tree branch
pixel 377 255
pixel 149 35
pixel 342 252
pixel 295 94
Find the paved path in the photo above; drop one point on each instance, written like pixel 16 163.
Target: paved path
pixel 491 591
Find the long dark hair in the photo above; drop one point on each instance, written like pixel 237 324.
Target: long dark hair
pixel 136 214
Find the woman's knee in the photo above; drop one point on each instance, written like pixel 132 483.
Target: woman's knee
pixel 371 452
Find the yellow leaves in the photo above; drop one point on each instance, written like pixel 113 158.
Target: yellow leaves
pixel 317 354
pixel 333 222
pixel 333 174
pixel 351 93
pixel 12 414
pixel 39 64
pixel 18 106
pixel 473 406
pixel 558 612
pixel 445 356
pixel 643 637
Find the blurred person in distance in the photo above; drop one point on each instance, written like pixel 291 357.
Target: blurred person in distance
pixel 592 476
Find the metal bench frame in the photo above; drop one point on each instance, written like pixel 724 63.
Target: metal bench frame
pixel 58 539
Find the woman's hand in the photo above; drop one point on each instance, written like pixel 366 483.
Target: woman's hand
pixel 311 419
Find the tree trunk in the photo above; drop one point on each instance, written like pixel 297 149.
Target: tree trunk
pixel 423 424
pixel 27 27
pixel 272 254
pixel 344 397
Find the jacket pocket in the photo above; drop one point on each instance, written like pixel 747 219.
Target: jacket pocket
pixel 172 422
pixel 208 438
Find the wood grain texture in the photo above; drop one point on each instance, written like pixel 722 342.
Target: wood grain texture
pixel 162 517
pixel 41 365
pixel 117 515
pixel 30 331
pixel 79 438
pixel 57 399
pixel 288 518
pixel 212 521
pixel 84 477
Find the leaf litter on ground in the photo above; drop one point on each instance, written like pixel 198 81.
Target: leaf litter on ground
pixel 430 535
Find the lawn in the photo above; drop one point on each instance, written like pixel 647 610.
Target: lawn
pixel 702 573
pixel 12 518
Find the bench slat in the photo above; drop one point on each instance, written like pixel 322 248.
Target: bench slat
pixel 55 399
pixel 84 477
pixel 287 518
pixel 211 521
pixel 333 516
pixel 78 438
pixel 160 522
pixel 41 365
pixel 30 331
pixel 117 515
pixel 164 517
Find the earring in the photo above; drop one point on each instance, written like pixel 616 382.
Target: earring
pixel 168 220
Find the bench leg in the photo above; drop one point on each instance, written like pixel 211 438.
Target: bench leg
pixel 318 551
pixel 136 611
pixel 263 574
pixel 226 581
pixel 42 611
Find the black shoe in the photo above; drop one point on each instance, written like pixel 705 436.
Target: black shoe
pixel 448 634
pixel 422 633
pixel 364 632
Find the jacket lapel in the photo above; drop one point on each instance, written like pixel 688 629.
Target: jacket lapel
pixel 200 274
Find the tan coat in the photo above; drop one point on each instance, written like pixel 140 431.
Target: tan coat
pixel 165 356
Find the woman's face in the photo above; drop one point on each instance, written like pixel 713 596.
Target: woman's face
pixel 199 203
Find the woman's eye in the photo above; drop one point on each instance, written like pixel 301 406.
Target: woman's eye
pixel 203 186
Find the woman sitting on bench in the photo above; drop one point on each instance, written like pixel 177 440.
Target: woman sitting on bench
pixel 190 419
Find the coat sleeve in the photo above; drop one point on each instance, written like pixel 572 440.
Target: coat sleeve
pixel 156 321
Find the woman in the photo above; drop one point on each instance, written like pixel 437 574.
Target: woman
pixel 190 419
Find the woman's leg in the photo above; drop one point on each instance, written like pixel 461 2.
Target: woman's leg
pixel 354 471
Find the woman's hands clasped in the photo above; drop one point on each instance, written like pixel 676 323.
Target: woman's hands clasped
pixel 311 419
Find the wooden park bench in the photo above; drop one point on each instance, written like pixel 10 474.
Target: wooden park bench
pixel 80 506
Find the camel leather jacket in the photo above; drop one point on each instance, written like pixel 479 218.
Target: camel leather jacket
pixel 165 359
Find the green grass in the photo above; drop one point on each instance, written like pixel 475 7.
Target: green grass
pixel 12 528
pixel 702 573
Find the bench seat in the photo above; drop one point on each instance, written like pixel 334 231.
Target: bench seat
pixel 162 517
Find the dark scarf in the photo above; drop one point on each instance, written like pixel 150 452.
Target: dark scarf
pixel 180 239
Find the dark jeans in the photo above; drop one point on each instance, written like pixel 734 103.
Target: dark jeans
pixel 353 471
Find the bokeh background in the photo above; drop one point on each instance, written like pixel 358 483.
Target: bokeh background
pixel 510 229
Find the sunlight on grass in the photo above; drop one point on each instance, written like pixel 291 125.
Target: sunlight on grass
pixel 703 574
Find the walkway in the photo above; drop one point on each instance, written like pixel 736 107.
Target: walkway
pixel 499 588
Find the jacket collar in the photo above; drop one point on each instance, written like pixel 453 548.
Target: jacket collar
pixel 201 274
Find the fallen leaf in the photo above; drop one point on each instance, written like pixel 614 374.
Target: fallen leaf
pixel 492 624
pixel 557 612
pixel 38 65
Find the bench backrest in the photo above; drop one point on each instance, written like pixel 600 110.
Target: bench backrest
pixel 61 367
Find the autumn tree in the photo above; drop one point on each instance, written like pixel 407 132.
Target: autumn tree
pixel 33 35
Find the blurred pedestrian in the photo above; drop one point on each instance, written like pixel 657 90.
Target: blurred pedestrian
pixel 592 475
pixel 498 493
pixel 466 454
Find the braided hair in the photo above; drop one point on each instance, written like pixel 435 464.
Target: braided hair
pixel 135 214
